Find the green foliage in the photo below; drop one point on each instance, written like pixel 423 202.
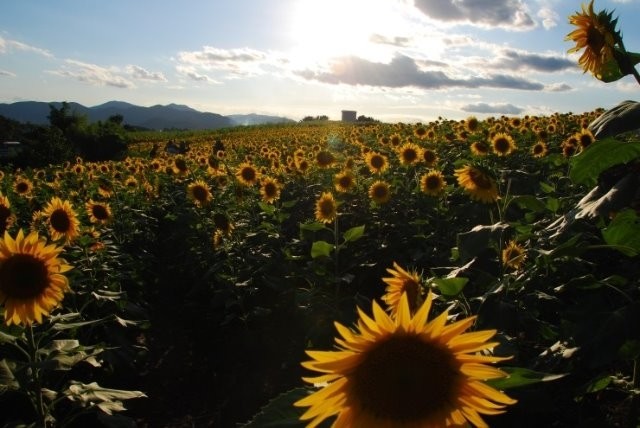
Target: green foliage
pixel 586 167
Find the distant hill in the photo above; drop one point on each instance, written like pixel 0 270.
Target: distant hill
pixel 155 117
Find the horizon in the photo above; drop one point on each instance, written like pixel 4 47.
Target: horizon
pixel 392 60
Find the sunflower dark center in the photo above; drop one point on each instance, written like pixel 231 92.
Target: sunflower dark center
pixel 501 145
pixel 200 193
pixel 345 181
pixel 410 155
pixel 248 174
pixel 181 164
pixel 60 220
pixel 595 39
pixel 433 182
pixel 23 276
pixel 429 156
pixel 377 162
pixel 270 190
pixel 100 212
pixel 538 148
pixel 480 179
pixel 327 207
pixel 22 187
pixel 380 191
pixel 405 378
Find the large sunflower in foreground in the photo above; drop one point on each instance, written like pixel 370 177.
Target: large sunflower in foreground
pixel 62 220
pixel 477 183
pixel 32 283
pixel 597 35
pixel 405 372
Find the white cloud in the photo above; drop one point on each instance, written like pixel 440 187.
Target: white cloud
pixel 492 108
pixel 403 72
pixel 7 46
pixel 7 73
pixel 192 74
pixel 239 62
pixel 140 73
pixel 509 14
pixel 93 74
pixel 549 17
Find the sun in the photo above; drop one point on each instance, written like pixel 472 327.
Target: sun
pixel 336 28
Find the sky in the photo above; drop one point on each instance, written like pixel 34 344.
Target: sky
pixel 393 60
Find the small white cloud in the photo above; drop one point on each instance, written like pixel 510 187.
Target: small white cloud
pixel 549 17
pixel 93 74
pixel 492 108
pixel 7 73
pixel 192 74
pixel 140 73
pixel 7 46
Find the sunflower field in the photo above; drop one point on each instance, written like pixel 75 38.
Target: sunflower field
pixel 442 273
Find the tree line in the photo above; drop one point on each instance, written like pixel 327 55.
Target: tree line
pixel 67 136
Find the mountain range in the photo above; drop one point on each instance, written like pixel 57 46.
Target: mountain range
pixel 171 116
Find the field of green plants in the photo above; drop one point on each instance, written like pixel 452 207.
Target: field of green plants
pixel 186 288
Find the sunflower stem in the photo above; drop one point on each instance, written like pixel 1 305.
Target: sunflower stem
pixel 635 400
pixel 336 256
pixel 37 381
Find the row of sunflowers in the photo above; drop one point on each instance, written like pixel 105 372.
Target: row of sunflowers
pixel 258 243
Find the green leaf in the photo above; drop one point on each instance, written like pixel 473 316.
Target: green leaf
pixel 599 383
pixel 529 202
pixel 320 249
pixel 266 208
pixel 353 234
pixel 450 286
pixel 601 155
pixel 519 376
pixel 313 226
pixel 106 399
pixel 7 379
pixel 280 412
pixel 624 233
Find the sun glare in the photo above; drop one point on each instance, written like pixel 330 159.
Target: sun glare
pixel 334 28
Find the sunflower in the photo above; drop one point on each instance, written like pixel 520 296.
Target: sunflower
pixel 247 174
pixel 477 183
pixel 539 149
pixel 222 223
pixel 62 219
pixel 513 255
pixel 597 35
pixel 429 156
pixel 380 192
pixel 7 217
pixel 270 190
pixel 32 283
pixel 479 148
pixel 405 372
pixel 180 165
pixel 472 124
pixel 199 192
pixel 131 182
pixel 409 153
pixel 402 282
pixel 23 186
pixel 432 183
pixel 585 138
pixel 503 144
pixel 324 159
pixel 98 212
pixel 376 162
pixel 344 181
pixel 326 208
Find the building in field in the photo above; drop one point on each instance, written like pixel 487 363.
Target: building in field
pixel 349 115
